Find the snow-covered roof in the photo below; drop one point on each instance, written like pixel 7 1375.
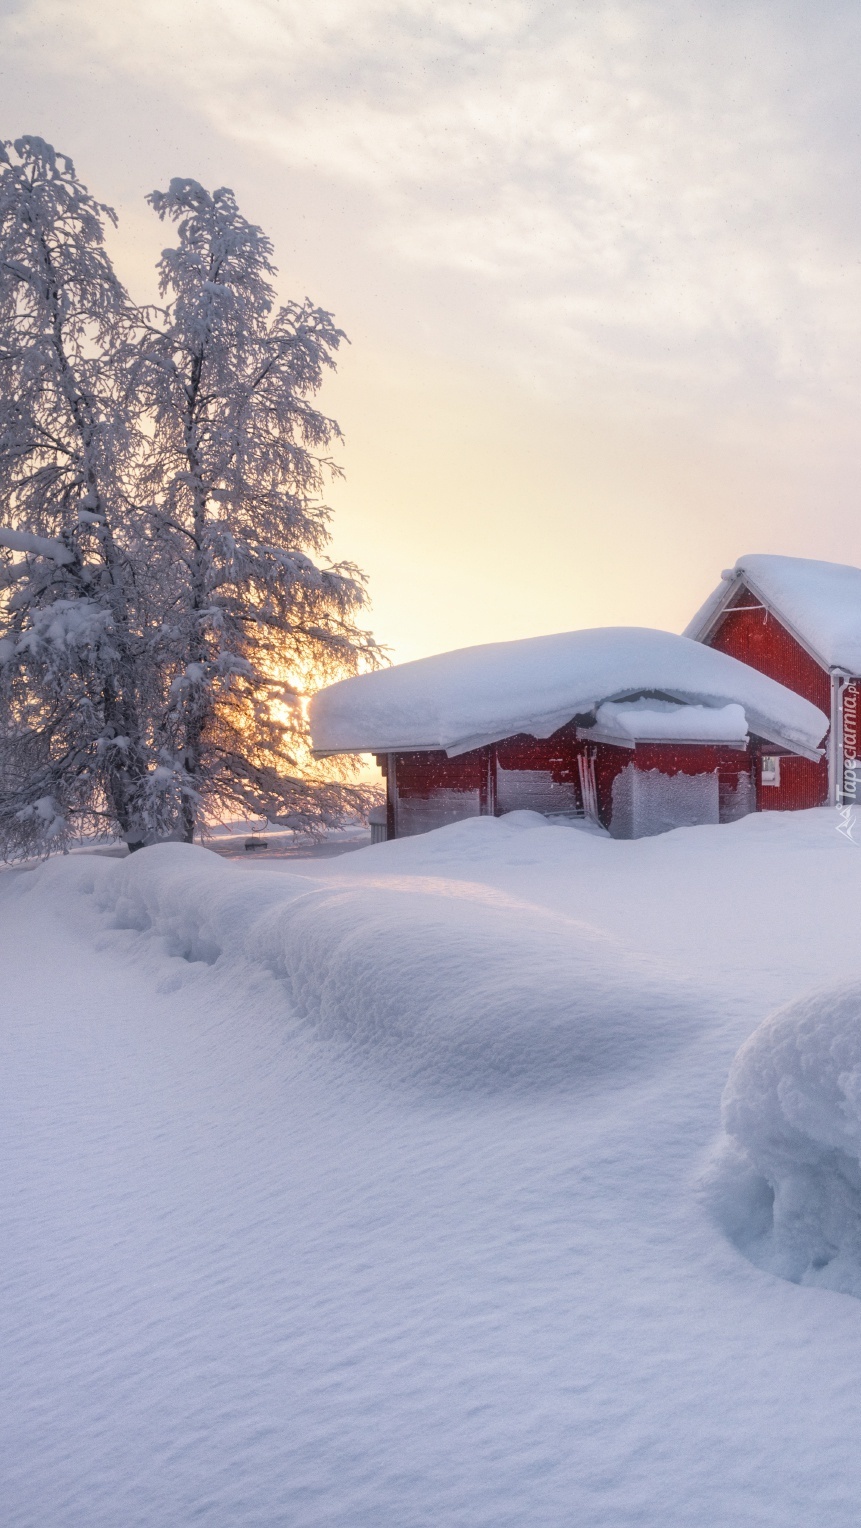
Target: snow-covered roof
pixel 819 601
pixel 657 721
pixel 478 695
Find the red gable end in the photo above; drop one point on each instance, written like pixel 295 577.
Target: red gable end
pixel 747 630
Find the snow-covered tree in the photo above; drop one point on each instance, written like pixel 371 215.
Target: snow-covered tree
pixel 165 599
pixel 236 466
pixel 73 640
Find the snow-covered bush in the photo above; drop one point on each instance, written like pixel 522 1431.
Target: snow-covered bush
pixel 786 1185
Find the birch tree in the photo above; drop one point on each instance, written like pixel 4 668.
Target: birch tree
pixel 237 464
pixel 73 651
pixel 166 599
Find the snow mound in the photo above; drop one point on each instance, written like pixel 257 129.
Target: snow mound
pixel 786 1185
pixel 473 990
pixel 650 720
pixel 479 695
pixel 447 983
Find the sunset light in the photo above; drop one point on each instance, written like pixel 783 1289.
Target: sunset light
pixel 430 787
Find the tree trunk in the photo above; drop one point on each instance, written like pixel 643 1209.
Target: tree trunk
pixel 188 821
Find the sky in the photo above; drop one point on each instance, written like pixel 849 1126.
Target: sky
pixel 600 267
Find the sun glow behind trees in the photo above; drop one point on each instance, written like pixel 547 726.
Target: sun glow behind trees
pixel 162 471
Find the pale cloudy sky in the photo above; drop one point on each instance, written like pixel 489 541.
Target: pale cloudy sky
pixel 600 265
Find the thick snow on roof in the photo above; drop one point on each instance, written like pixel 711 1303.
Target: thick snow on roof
pixel 478 695
pixel 821 601
pixel 644 720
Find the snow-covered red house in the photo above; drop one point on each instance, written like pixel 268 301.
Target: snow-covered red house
pixel 798 621
pixel 640 730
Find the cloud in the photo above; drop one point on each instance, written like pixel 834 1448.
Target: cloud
pixel 621 196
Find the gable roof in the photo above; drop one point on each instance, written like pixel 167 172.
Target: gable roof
pixel 819 602
pixel 479 695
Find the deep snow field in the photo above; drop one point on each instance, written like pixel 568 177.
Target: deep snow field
pixel 391 1189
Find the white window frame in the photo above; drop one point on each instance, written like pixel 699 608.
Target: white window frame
pixel 770 772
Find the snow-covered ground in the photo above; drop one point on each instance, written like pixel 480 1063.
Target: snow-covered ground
pixel 390 1189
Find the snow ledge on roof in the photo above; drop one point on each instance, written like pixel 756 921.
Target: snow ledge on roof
pixel 656 721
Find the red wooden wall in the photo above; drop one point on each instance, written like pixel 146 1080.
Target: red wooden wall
pixel 757 638
pixel 420 774
pixel 423 776
pixel 730 764
pixel 433 789
pixel 557 755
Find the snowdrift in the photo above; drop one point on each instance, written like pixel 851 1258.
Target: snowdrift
pixel 248 1277
pixel 787 1183
pixel 441 982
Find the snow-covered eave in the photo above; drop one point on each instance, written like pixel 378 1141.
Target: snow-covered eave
pixel 451 750
pixel 545 728
pixel 617 740
pixel 378 748
pixel 706 618
pixel 537 727
pixel 717 605
pixel 783 744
